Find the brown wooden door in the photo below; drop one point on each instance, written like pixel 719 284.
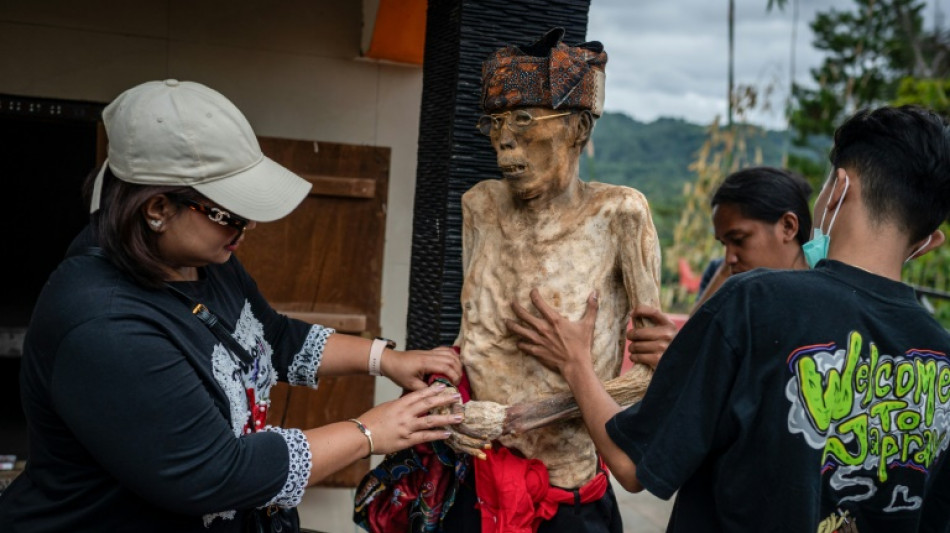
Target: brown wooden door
pixel 323 264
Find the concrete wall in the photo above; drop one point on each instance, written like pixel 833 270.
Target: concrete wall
pixel 292 67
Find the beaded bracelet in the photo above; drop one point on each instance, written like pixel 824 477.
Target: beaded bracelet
pixel 365 431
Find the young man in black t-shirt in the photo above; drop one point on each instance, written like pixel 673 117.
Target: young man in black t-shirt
pixel 800 400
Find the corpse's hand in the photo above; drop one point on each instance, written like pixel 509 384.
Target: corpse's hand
pixel 647 344
pixel 409 369
pixel 554 340
pixel 482 423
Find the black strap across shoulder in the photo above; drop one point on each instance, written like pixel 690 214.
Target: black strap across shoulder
pixel 216 325
pixel 202 313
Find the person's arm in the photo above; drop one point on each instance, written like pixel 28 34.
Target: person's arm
pixel 349 354
pixel 311 351
pixel 138 408
pixel 147 418
pixel 566 347
pixel 694 381
pixel 391 426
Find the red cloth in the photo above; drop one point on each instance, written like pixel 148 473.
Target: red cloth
pixel 515 496
pixel 514 493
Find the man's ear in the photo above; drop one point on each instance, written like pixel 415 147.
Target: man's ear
pixel 584 127
pixel 936 239
pixel 841 184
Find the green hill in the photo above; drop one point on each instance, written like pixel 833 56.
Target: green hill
pixel 655 157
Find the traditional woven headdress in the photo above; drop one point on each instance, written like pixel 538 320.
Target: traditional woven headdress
pixel 547 73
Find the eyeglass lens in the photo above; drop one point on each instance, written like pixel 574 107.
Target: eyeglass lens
pixel 218 215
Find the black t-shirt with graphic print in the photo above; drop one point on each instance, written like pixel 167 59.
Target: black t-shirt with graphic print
pixel 136 411
pixel 799 401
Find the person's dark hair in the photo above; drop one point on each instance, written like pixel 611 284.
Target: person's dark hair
pixel 902 155
pixel 121 230
pixel 767 193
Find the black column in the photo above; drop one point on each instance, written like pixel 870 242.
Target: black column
pixel 453 156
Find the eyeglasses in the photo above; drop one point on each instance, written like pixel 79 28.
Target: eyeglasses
pixel 216 214
pixel 518 121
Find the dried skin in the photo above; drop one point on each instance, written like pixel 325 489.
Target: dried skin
pixel 625 390
pixel 483 420
pixel 602 240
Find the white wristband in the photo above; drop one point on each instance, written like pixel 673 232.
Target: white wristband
pixel 376 357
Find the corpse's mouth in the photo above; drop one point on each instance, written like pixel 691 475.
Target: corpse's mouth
pixel 513 171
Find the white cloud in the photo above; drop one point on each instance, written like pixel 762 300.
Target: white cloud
pixel 670 57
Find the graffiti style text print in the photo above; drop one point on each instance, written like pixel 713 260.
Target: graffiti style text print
pixel 870 412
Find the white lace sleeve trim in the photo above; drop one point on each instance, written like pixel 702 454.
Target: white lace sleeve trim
pixel 298 473
pixel 303 369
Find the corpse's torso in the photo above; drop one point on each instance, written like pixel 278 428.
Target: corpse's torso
pixel 605 242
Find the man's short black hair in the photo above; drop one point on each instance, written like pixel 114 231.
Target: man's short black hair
pixel 767 193
pixel 902 156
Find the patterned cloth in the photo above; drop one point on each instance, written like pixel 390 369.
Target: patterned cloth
pixel 411 490
pixel 547 73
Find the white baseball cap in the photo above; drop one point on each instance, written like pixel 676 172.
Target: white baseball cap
pixel 183 133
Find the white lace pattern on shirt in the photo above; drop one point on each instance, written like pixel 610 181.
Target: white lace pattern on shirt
pixel 298 473
pixel 224 515
pixel 303 369
pixel 250 333
pixel 228 374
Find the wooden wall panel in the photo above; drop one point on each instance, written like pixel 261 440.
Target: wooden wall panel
pixel 323 263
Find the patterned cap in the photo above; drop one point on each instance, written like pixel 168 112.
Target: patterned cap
pixel 547 73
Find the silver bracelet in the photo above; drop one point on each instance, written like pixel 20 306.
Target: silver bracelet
pixel 365 431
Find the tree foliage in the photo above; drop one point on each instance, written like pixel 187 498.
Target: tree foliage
pixel 877 53
pixel 869 51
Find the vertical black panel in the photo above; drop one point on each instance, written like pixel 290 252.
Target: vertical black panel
pixel 452 155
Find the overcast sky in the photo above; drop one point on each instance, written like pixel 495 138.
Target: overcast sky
pixel 669 58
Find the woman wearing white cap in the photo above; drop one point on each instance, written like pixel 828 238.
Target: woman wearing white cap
pixel 150 356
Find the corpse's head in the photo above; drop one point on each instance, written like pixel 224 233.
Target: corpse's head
pixel 541 101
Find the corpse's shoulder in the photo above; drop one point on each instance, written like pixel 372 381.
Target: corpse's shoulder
pixel 619 198
pixel 485 190
pixel 487 196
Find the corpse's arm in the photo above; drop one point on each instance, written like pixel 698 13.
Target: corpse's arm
pixel 640 265
pixel 483 421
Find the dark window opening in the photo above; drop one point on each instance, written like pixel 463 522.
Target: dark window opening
pixel 47 148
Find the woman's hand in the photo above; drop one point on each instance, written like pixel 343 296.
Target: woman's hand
pixel 555 341
pixel 409 420
pixel 647 344
pixel 409 369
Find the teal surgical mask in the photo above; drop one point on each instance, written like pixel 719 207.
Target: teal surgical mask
pixel 817 248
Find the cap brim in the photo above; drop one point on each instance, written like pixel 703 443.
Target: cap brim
pixel 263 193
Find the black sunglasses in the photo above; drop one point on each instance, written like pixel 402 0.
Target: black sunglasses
pixel 216 214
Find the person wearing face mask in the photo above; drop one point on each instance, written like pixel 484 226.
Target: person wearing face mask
pixel 761 216
pixel 799 400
